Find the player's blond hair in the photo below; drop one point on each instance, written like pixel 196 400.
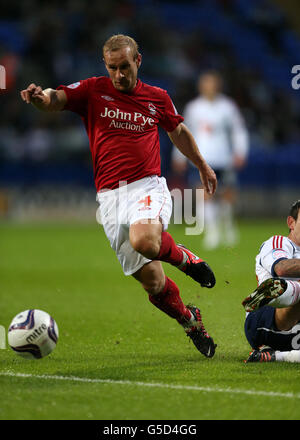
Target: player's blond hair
pixel 117 42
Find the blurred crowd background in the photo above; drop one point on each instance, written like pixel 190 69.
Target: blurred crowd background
pixel 45 158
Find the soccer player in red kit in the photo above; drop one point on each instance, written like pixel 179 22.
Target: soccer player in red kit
pixel 121 115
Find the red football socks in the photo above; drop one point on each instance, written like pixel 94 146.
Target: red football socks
pixel 170 302
pixel 169 252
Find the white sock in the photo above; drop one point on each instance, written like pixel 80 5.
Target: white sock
pixel 211 224
pixel 287 356
pixel 229 229
pixel 290 297
pixel 211 212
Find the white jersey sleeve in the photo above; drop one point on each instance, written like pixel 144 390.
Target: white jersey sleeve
pixel 189 121
pixel 239 134
pixel 272 251
pixel 190 114
pixel 218 129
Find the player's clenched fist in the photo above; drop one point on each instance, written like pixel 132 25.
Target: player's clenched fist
pixel 48 100
pixel 33 94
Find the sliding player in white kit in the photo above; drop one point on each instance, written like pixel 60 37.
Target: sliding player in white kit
pixel 272 324
pixel 219 131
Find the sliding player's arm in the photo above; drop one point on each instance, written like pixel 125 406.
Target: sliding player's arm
pixel 48 100
pixel 289 268
pixel 183 139
pixel 277 257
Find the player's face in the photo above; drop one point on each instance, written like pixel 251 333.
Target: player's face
pixel 294 226
pixel 209 86
pixel 122 68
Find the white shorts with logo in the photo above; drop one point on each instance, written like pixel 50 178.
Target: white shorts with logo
pixel 147 198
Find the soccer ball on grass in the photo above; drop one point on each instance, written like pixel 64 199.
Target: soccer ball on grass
pixel 33 334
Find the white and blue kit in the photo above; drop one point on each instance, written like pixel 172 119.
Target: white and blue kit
pixel 260 328
pixel 220 133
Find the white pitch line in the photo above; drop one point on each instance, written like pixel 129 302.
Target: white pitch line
pixel 153 385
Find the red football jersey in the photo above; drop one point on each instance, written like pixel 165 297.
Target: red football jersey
pixel 122 127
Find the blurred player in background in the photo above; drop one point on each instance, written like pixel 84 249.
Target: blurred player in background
pixel 220 133
pixel 121 115
pixel 272 324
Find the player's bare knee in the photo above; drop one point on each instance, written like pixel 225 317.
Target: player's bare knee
pixel 286 318
pixel 147 246
pixel 154 287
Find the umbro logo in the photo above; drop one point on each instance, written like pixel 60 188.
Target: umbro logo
pixel 107 98
pixel 74 85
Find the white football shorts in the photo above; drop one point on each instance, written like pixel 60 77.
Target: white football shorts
pixel 147 198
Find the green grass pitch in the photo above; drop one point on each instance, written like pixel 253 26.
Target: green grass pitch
pixel 129 360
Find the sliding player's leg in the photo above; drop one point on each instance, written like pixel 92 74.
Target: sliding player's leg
pixel 268 354
pixel 287 317
pixel 274 334
pixel 275 292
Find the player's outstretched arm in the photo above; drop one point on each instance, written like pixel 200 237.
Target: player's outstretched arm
pixel 47 100
pixel 183 139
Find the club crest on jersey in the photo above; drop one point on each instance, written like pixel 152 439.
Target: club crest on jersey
pixel 152 108
pixel 279 254
pixel 74 85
